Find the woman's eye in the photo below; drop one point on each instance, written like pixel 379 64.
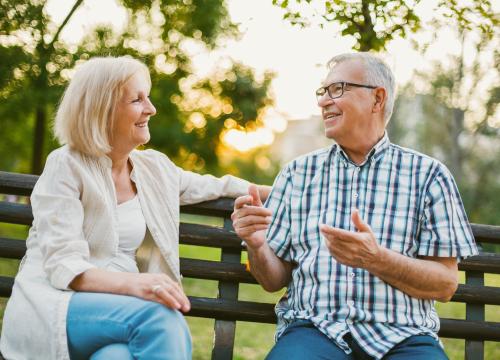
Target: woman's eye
pixel 136 100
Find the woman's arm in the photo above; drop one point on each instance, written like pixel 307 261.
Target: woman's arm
pixel 153 287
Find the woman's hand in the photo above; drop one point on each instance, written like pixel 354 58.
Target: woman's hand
pixel 159 288
pixel 153 287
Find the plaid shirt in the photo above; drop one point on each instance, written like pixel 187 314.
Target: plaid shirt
pixel 413 206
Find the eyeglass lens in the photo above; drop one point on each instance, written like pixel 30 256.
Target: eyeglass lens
pixel 335 90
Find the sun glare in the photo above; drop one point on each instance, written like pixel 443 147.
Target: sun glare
pixel 244 141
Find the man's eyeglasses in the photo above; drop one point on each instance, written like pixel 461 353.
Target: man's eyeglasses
pixel 336 89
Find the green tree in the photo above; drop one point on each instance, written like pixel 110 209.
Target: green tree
pixel 374 23
pixel 36 66
pixel 456 118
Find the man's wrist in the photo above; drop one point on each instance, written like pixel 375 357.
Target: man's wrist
pixel 380 261
pixel 256 250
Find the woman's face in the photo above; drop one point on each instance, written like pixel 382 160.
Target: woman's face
pixel 133 110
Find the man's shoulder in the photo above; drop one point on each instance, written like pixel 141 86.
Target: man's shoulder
pixel 415 156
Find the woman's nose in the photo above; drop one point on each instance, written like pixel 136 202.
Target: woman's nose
pixel 151 110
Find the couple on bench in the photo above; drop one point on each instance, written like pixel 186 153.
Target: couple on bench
pixel 365 235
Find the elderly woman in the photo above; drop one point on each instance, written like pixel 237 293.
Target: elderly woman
pixel 100 278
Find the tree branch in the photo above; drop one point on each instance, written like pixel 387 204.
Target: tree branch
pixel 70 14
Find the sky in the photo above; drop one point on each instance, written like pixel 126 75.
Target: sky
pixel 296 55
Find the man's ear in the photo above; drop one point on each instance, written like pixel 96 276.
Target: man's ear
pixel 380 99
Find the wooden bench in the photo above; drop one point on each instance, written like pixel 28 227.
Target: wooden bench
pixel 226 309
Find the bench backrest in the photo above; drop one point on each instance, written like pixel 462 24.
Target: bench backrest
pixel 226 309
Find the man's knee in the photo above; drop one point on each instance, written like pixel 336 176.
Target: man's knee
pixel 302 340
pixel 418 347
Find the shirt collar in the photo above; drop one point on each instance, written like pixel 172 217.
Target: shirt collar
pixel 106 162
pixel 373 155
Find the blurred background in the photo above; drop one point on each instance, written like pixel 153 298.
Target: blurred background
pixel 233 84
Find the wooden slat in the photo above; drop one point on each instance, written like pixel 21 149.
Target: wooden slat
pixel 474 294
pixel 222 207
pixel 215 270
pixel 224 271
pixel 22 184
pixel 484 262
pixel 486 233
pixel 193 268
pixel 6 284
pixel 17 184
pixel 12 248
pixel 264 313
pixel 203 235
pixel 232 310
pixel 469 329
pixel 14 213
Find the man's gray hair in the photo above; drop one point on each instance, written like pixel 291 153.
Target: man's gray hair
pixel 378 73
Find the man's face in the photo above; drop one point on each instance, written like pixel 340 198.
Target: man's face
pixel 348 119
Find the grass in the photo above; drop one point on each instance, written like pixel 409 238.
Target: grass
pixel 253 341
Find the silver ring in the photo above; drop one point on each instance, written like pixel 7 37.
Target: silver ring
pixel 155 288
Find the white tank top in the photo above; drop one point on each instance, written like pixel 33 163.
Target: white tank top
pixel 131 229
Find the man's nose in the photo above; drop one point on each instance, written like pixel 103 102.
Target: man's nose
pixel 324 100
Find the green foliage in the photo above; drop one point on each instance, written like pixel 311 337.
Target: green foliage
pixel 453 119
pixel 37 65
pixel 374 23
pixel 228 99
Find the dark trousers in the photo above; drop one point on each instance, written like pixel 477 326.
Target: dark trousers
pixel 302 340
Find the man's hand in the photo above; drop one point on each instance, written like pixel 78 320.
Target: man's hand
pixel 264 191
pixel 356 249
pixel 251 219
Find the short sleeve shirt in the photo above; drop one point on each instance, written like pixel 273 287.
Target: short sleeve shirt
pixel 412 205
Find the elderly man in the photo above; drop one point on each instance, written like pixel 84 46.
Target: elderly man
pixel 365 234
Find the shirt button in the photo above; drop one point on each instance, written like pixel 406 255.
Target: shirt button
pixel 351 275
pixel 355 195
pixel 357 169
pixel 350 302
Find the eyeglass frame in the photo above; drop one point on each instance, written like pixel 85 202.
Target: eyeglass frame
pixel 344 84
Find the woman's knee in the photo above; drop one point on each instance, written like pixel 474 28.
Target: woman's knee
pixel 166 320
pixel 161 331
pixel 113 351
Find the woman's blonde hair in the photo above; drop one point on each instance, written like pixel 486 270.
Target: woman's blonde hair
pixel 85 116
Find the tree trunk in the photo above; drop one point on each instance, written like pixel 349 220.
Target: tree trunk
pixel 38 140
pixel 457 126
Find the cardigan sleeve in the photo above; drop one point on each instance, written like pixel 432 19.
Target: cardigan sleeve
pixel 58 221
pixel 195 188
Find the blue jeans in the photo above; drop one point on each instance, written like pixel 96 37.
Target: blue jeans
pixel 302 340
pixel 109 326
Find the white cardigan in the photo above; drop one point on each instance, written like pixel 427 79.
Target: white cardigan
pixel 75 229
